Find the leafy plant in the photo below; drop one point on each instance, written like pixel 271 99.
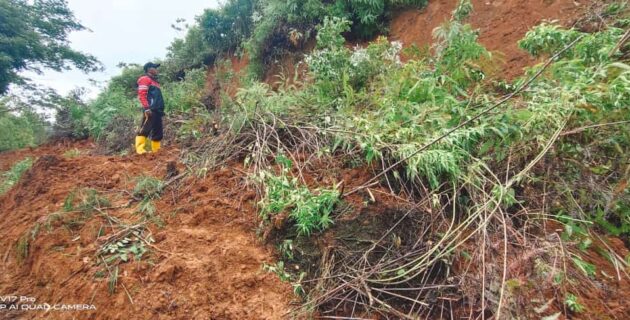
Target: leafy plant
pixel 571 301
pixel 286 249
pixel 124 249
pixel 148 187
pixel 309 210
pixel 91 201
pixel 615 8
pixel 23 244
pixel 22 247
pixel 20 125
pixel 587 268
pixel 279 270
pixel 36 42
pixel 112 282
pixel 463 10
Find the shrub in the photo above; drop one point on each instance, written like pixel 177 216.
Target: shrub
pixel 21 128
pixel 71 117
pixel 309 210
pixel 185 95
pixel 148 187
pixel 115 101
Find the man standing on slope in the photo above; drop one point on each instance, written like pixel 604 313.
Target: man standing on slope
pixel 152 102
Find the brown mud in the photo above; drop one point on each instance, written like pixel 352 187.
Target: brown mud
pixel 206 262
pixel 501 24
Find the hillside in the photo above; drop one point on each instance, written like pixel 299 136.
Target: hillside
pixel 476 169
pixel 205 260
pixel 501 25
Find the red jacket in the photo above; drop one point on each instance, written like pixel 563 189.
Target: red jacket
pixel 143 88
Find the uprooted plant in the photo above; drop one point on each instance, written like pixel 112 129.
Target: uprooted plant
pixel 125 241
pixel 284 198
pixel 473 168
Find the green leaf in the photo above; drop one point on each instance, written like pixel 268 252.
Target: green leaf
pixel 587 268
pixel 523 115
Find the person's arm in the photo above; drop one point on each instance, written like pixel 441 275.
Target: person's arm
pixel 143 90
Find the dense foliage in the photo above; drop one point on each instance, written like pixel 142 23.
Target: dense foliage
pixel 19 129
pixel 34 34
pixel 264 29
pixel 310 210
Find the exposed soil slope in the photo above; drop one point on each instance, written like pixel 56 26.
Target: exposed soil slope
pixel 205 262
pixel 502 23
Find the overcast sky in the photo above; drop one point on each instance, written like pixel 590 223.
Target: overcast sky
pixel 131 31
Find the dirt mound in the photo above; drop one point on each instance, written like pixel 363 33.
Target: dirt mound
pixel 205 262
pixel 502 23
pixel 8 158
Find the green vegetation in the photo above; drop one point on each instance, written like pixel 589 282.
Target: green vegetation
pixel 20 125
pixel 124 249
pixel 35 35
pixel 148 189
pixel 309 209
pixel 484 165
pixel 9 178
pixel 266 29
pixel 90 201
pixel 279 270
pixel 126 242
pixel 72 153
pixel 571 301
pixel 112 118
pixel 260 29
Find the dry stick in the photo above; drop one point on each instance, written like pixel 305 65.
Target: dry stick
pixel 508 184
pixel 427 260
pixel 174 179
pixel 578 130
pixel 496 105
pixel 72 275
pixel 94 293
pixel 621 43
pixel 123 285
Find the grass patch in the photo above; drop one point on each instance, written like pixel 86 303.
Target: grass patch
pixel 72 153
pixel 9 178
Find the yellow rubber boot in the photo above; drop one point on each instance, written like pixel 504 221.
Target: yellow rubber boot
pixel 155 146
pixel 141 142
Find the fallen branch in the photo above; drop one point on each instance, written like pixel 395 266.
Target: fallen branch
pixel 581 129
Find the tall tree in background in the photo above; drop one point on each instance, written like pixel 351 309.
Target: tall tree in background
pixel 34 35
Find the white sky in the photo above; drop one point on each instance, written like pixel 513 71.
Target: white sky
pixel 131 31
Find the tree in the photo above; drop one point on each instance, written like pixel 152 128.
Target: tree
pixel 20 129
pixel 34 35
